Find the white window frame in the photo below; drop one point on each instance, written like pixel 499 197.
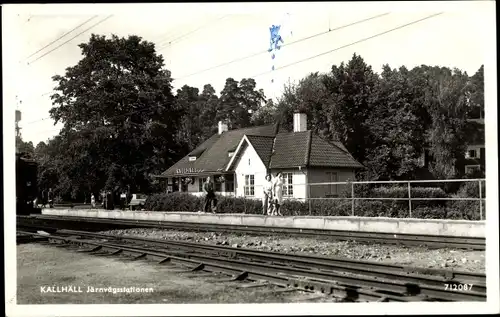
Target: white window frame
pixel 249 188
pixel 287 184
pixel 475 153
pixel 475 166
pixel 192 158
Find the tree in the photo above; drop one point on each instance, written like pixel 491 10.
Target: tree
pixel 238 101
pixel 26 148
pixel 396 131
pixel 188 100
pixel 475 95
pixel 209 103
pixel 119 115
pixel 448 111
pixel 265 115
pixel 351 87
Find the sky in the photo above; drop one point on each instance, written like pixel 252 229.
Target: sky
pixel 195 37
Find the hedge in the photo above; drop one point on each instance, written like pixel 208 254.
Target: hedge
pixel 442 209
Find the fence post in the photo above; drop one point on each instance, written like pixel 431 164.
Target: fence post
pixel 309 198
pixel 480 201
pixel 409 198
pixel 352 199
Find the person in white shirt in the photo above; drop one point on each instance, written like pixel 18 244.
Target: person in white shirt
pixel 268 195
pixel 278 194
pixel 92 200
pixel 123 200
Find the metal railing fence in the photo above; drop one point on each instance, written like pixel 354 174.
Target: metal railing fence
pixel 302 192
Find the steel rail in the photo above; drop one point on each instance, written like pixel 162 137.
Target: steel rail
pixel 396 272
pixel 475 243
pixel 397 284
pixel 293 275
pixel 346 293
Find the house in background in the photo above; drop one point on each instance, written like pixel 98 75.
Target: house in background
pixel 475 155
pixel 238 161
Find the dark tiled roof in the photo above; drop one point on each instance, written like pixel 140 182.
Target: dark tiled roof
pixel 290 150
pixel 263 145
pixel 215 155
pixel 307 149
pixel 326 154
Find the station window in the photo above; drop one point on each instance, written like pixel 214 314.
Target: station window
pixel 249 185
pixel 288 184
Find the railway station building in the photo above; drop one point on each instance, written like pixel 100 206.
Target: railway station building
pixel 238 161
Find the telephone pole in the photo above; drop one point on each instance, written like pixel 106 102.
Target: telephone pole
pixel 18 128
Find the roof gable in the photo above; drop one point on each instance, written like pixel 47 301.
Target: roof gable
pixel 263 145
pixel 290 150
pixel 214 152
pixel 326 154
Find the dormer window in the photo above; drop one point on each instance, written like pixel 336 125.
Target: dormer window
pixel 230 154
pixel 192 158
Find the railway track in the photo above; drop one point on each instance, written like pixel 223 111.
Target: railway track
pixel 346 279
pixel 432 241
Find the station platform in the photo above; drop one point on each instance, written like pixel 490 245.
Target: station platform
pixel 459 228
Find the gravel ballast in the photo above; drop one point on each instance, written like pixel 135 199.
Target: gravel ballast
pixel 463 260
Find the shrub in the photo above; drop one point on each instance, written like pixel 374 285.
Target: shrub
pixel 429 213
pixel 468 210
pixel 295 208
pixel 174 202
pixel 330 207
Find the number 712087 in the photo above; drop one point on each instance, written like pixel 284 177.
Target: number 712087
pixel 458 287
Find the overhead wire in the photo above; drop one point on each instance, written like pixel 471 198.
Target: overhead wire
pixel 167 42
pixel 94 25
pixel 60 37
pixel 285 44
pixel 351 44
pixel 311 57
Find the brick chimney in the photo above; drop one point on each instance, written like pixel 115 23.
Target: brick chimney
pixel 222 127
pixel 299 122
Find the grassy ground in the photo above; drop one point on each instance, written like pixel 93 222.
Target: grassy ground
pixel 39 266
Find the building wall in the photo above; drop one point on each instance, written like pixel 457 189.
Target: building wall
pixel 322 175
pixel 249 164
pixel 193 187
pixel 299 179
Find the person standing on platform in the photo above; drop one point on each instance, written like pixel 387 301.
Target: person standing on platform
pixel 123 200
pixel 50 198
pixel 278 194
pixel 44 198
pixel 210 199
pixel 267 199
pixel 92 201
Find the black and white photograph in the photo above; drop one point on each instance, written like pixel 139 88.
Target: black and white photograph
pixel 253 158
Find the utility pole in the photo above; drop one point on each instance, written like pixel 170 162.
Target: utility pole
pixel 18 118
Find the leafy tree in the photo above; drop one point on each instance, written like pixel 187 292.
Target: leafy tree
pixel 119 115
pixel 188 100
pixel 448 111
pixel 475 95
pixel 26 148
pixel 396 133
pixel 209 103
pixel 267 114
pixel 238 101
pixel 351 86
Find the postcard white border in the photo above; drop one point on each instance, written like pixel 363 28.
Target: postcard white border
pixel 9 52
